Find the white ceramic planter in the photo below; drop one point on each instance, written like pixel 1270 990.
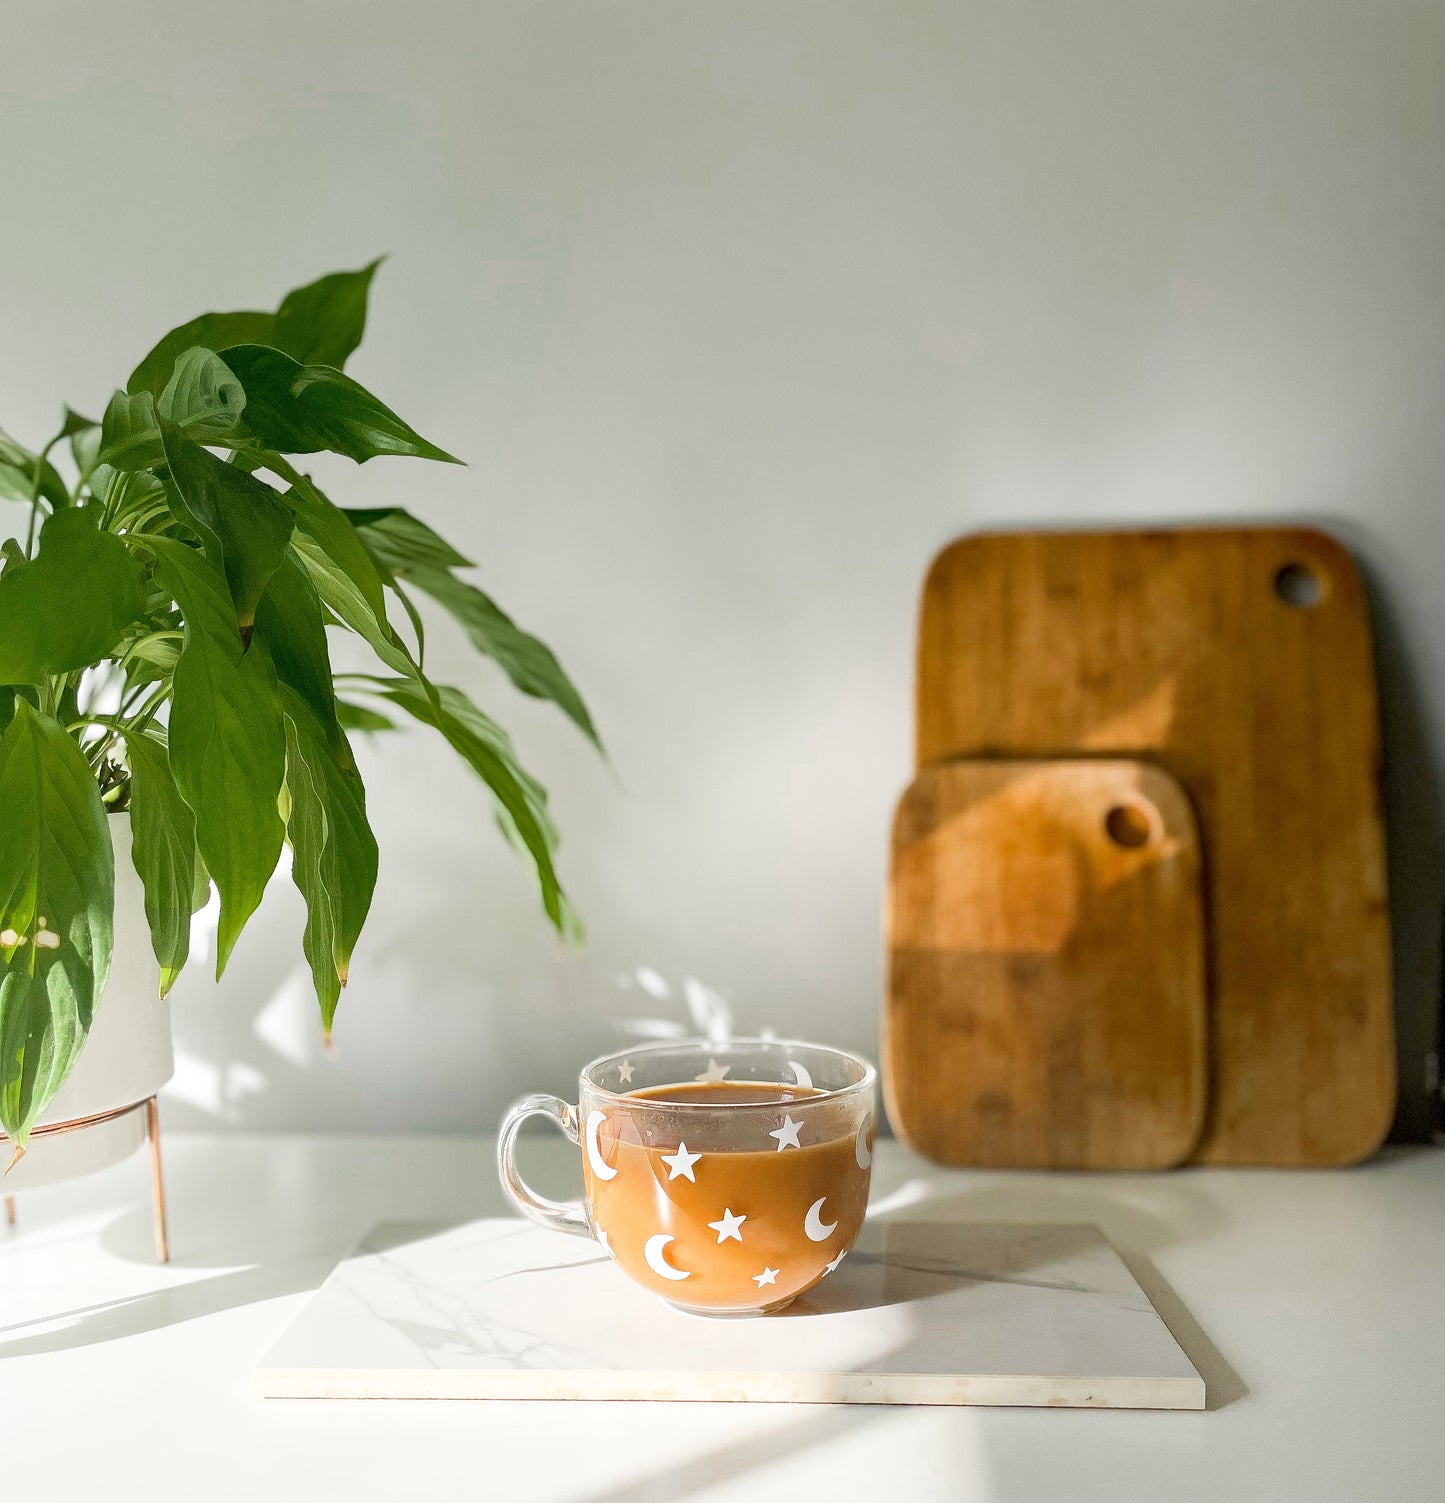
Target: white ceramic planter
pixel 127 1056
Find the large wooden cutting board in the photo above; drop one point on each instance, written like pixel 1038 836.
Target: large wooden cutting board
pixel 1046 996
pixel 1203 650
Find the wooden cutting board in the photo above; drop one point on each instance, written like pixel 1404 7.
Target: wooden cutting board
pixel 1046 991
pixel 1240 660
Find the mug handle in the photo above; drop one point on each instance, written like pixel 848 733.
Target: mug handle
pixel 555 1215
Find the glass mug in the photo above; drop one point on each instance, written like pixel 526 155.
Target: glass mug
pixel 726 1177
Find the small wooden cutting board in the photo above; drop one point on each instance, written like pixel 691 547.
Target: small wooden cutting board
pixel 1239 659
pixel 1046 989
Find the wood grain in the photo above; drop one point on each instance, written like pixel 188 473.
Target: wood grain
pixel 1046 994
pixel 1176 646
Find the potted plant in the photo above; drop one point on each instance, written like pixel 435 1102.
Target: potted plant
pixel 164 655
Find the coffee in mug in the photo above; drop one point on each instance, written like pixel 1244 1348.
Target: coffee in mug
pixel 727 1178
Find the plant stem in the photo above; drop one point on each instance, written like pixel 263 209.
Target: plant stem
pixel 97 751
pixel 133 698
pixel 84 479
pixel 111 722
pixel 147 712
pixel 121 724
pixel 35 480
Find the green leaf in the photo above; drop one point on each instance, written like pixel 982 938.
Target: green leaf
pixel 66 609
pixel 352 717
pixel 17 475
pixel 322 323
pixel 57 893
pixel 243 523
pixel 418 626
pixel 521 801
pixel 152 657
pixel 335 856
pixel 202 396
pixel 348 582
pixel 126 496
pixel 163 850
pixel 300 409
pixel 227 742
pixel 399 542
pixel 527 661
pixel 84 436
pixel 290 620
pixel 404 548
pixel 213 331
pixel 75 422
pixel 130 437
pixel 10 694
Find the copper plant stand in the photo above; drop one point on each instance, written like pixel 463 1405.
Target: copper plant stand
pixel 153 1135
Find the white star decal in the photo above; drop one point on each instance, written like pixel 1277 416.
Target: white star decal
pixel 729 1226
pixel 680 1164
pixel 767 1276
pixel 714 1074
pixel 624 1072
pixel 787 1134
pixel 833 1266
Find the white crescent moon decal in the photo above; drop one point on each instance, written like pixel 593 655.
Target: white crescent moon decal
pixel 813 1223
pixel 800 1074
pixel 600 1166
pixel 860 1144
pixel 653 1253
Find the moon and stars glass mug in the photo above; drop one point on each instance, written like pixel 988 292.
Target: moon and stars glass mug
pixel 725 1177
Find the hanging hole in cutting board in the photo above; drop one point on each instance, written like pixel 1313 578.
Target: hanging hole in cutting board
pixel 1299 586
pixel 1128 825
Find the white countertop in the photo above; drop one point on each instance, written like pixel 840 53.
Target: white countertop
pixel 1312 1302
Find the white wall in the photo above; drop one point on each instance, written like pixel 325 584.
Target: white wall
pixel 738 312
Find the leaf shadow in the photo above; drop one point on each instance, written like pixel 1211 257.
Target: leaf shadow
pixel 133 1315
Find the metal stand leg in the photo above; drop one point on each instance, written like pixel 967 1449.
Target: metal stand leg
pixel 158 1188
pixel 153 1133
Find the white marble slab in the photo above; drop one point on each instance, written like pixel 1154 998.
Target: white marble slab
pixel 919 1313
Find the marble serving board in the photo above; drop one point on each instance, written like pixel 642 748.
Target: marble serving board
pixel 918 1313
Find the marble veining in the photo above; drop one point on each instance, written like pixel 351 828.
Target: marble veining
pixel 919 1312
